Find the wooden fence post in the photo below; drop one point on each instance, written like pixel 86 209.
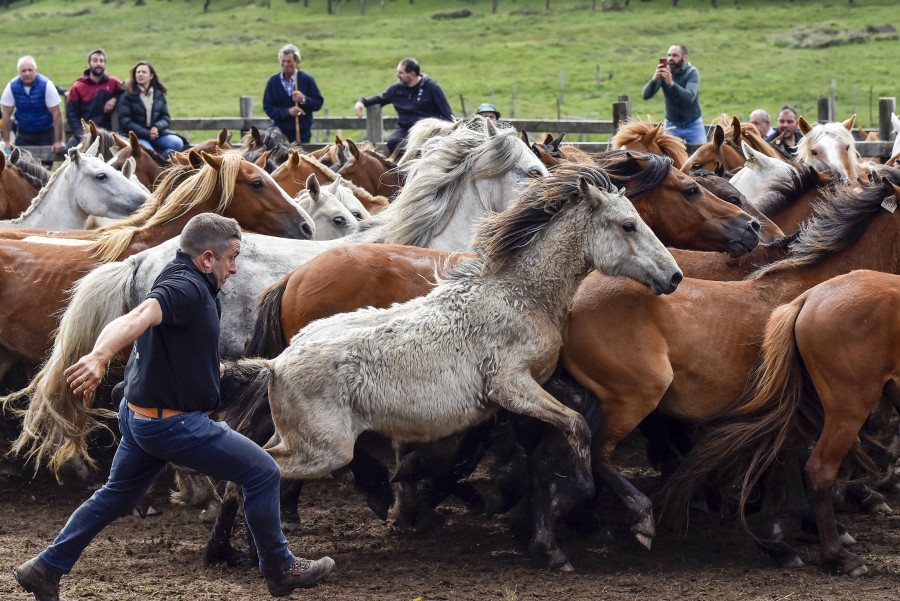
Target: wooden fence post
pixel 374 126
pixel 246 112
pixel 826 110
pixel 621 111
pixel 886 106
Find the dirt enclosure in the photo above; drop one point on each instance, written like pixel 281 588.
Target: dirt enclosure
pixel 470 557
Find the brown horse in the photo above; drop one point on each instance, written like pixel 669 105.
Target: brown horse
pixel 149 166
pixel 725 147
pixel 293 173
pixel 645 137
pixel 17 189
pixel 38 274
pixel 374 173
pixel 690 357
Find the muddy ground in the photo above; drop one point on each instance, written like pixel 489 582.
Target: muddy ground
pixel 470 557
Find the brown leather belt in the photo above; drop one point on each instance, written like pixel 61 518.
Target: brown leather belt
pixel 153 413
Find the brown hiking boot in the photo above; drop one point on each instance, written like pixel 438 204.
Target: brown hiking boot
pixel 302 573
pixel 36 578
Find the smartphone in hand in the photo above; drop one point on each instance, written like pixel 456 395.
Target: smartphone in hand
pixel 663 62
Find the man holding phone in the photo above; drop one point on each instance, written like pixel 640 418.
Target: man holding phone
pixel 680 83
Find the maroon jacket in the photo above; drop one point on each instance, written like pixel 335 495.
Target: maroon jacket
pixel 86 100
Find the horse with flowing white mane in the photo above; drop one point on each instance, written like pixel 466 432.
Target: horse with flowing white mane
pixel 485 338
pixel 82 186
pixel 459 178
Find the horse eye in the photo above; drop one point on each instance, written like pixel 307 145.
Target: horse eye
pixel 815 153
pixel 102 176
pixel 698 166
pixel 629 227
pixel 358 216
pixel 692 192
pixel 257 184
pixel 340 221
pixel 735 201
pixel 535 172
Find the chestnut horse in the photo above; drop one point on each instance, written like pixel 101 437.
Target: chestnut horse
pixel 841 337
pixel 374 173
pixel 725 147
pixel 645 137
pixel 149 165
pixel 17 188
pixel 38 273
pixel 637 354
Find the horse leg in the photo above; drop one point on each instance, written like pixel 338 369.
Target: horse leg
pixel 289 496
pixel 218 547
pixel 372 479
pixel 778 486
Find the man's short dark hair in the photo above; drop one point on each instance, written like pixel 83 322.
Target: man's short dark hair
pixel 96 51
pixel 683 49
pixel 788 107
pixel 411 65
pixel 208 231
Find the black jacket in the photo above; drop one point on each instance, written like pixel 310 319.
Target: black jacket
pixel 133 115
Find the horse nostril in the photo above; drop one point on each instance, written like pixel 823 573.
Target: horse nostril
pixel 306 231
pixel 754 225
pixel 676 278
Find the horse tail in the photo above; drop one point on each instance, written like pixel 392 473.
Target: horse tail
pixel 755 428
pixel 268 334
pixel 244 393
pixel 57 423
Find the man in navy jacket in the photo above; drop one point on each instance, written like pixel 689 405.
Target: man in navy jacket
pixel 415 96
pixel 291 96
pixel 93 97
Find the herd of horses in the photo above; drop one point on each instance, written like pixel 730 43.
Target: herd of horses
pixel 491 294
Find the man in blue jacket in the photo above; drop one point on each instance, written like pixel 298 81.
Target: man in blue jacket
pixel 680 83
pixel 291 97
pixel 36 100
pixel 415 96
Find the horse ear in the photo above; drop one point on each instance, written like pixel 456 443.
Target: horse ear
pixel 524 136
pixel 94 131
pixel 254 135
pixel 293 158
pixel 195 159
pixel 134 143
pixel 544 156
pixel 489 128
pixel 261 160
pixel 94 149
pixel 14 156
pixel 718 136
pixel 736 129
pixel 804 125
pixel 74 155
pixel 557 140
pixel 312 186
pixel 213 160
pixel 719 169
pixel 128 167
pixel 338 141
pixel 548 139
pixel 848 124
pixel 224 136
pixel 119 140
pixel 353 149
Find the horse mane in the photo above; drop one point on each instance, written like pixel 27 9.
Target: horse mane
pixel 330 176
pixel 107 142
pixel 424 131
pixel 835 130
pixel 272 139
pixel 779 194
pixel 161 208
pixel 446 166
pixel 837 223
pixel 156 157
pixel 502 235
pixel 382 159
pixel 625 166
pixel 253 156
pixel 30 170
pixel 632 131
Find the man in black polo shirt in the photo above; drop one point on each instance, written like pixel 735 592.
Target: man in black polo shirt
pixel 171 379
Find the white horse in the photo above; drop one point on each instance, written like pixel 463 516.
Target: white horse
pixel 459 179
pixel 485 338
pixel 833 144
pixel 895 123
pixel 82 186
pixel 330 208
pixel 758 173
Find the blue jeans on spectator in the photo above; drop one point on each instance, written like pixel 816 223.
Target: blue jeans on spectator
pixel 164 145
pixel 692 133
pixel 194 441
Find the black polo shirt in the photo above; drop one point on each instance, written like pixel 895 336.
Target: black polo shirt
pixel 175 365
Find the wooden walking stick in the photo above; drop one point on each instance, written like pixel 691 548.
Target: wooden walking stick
pixel 297 104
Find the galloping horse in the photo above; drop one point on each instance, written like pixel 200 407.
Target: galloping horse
pixel 488 166
pixel 843 333
pixel 725 147
pixel 833 144
pixel 376 174
pixel 82 186
pixel 645 137
pixel 506 306
pixel 637 354
pixel 17 188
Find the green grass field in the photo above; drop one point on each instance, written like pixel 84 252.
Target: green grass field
pixel 207 60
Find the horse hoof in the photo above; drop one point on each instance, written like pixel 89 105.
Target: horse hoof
pixel 791 562
pixel 566 567
pixel 880 508
pixel 858 571
pixel 644 540
pixel 846 539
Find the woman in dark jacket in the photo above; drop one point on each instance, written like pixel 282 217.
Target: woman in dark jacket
pixel 143 110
